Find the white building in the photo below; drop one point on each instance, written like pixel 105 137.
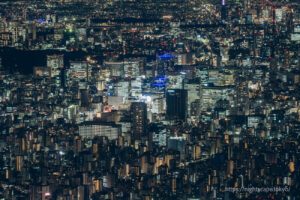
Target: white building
pixel 210 95
pixel 93 129
pixel 55 63
pixel 194 92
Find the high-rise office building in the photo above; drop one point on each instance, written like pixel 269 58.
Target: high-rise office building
pixel 90 129
pixel 194 95
pixel 176 143
pixel 79 72
pixel 164 63
pixel 138 111
pixel 176 104
pixel 55 63
pixel 116 68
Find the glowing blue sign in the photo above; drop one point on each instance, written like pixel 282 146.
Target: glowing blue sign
pixel 165 56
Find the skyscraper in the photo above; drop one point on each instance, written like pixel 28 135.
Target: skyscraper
pixel 176 104
pixel 138 111
pixel 223 12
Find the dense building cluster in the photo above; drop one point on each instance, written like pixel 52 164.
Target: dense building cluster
pixel 146 99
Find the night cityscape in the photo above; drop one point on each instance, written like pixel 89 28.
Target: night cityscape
pixel 149 99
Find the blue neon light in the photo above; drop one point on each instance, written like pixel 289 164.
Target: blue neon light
pixel 165 56
pixel 161 78
pixel 41 21
pixel 159 84
pixel 160 81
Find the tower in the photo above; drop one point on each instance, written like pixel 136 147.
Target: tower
pixel 223 12
pixel 138 111
pixel 176 104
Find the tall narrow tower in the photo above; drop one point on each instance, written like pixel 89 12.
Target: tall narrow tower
pixel 138 111
pixel 223 12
